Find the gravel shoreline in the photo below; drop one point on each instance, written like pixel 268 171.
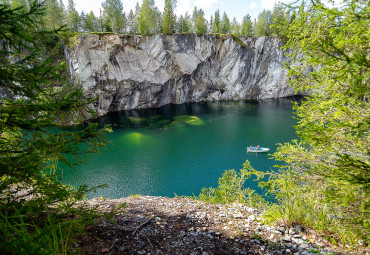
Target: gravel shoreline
pixel 161 225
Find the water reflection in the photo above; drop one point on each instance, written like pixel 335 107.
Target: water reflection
pixel 179 149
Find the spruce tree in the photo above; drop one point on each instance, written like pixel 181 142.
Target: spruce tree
pixel 34 97
pixel 169 18
pixel 130 26
pixel 184 24
pixel 216 22
pixel 263 23
pixel 148 18
pixel 73 18
pixel 200 25
pixel 114 16
pixel 54 17
pixel 225 24
pixel 91 23
pixel 247 27
pixel 279 20
pixel 210 26
pixel 235 28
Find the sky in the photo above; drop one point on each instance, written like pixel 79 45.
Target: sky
pixel 233 8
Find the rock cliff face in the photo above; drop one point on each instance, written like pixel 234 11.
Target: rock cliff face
pixel 130 71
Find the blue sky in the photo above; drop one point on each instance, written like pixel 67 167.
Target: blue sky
pixel 233 8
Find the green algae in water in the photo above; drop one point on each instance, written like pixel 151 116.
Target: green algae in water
pixel 179 149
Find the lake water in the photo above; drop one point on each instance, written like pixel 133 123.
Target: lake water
pixel 179 149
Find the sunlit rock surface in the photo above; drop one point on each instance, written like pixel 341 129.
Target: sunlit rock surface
pixel 131 71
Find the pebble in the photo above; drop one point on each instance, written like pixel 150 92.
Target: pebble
pixel 251 218
pixel 293 231
pixel 281 229
pixel 201 226
pixel 287 238
pixel 304 246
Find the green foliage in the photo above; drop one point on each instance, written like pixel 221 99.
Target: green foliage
pixel 280 20
pixel 89 23
pixel 231 188
pixel 34 97
pixel 72 18
pixel 54 16
pixel 225 24
pixel 247 27
pixel 149 18
pixel 114 17
pixel 325 180
pixel 262 27
pixel 200 25
pixel 169 17
pixel 235 28
pixel 216 22
pixel 184 24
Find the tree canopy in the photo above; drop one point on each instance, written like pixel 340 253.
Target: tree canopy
pixel 35 96
pixel 169 17
pixel 329 166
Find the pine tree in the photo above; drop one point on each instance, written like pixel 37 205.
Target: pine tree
pixel 114 16
pixel 130 22
pixel 225 24
pixel 90 23
pixel 194 16
pixel 210 26
pixel 169 17
pixel 200 25
pixel 73 18
pixel 54 17
pixel 216 22
pixel 135 24
pixel 148 19
pixel 184 24
pixel 247 27
pixel 37 97
pixel 280 20
pixel 263 23
pixel 235 28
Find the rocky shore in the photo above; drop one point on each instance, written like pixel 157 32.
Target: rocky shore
pixel 160 225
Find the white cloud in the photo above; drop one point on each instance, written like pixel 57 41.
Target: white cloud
pixel 253 5
pixel 205 4
pixel 184 6
pixel 268 4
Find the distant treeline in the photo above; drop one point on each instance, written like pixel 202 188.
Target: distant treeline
pixel 147 19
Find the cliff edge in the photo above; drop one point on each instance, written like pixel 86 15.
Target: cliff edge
pixel 131 71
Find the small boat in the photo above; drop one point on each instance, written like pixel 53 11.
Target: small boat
pixel 254 149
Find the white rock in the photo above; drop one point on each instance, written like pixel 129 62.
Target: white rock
pixel 128 72
pixel 251 218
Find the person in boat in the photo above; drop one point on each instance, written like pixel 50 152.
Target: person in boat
pixel 250 148
pixel 258 147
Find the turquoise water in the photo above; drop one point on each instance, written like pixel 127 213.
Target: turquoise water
pixel 179 149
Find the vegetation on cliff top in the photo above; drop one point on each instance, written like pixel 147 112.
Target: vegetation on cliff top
pixel 147 19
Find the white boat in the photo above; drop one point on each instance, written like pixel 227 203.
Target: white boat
pixel 254 149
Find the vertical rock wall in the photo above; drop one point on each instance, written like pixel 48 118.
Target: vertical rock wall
pixel 130 71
